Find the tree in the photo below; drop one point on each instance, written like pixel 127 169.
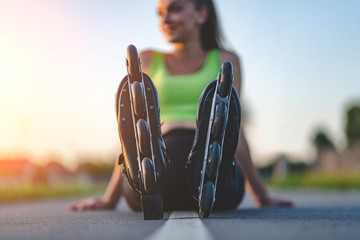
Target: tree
pixel 322 141
pixel 352 127
pixel 326 151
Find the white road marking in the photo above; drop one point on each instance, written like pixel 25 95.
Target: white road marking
pixel 182 225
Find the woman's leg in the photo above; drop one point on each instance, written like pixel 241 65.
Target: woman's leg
pixel 176 193
pixel 132 197
pixel 177 196
pixel 230 189
pixel 217 142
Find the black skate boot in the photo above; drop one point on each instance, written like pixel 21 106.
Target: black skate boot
pixel 218 124
pixel 144 157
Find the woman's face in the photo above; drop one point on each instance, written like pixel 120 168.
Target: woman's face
pixel 179 20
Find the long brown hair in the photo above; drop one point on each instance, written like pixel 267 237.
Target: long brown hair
pixel 210 34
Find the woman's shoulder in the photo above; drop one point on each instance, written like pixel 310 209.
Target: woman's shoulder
pixel 146 57
pixel 146 54
pixel 227 55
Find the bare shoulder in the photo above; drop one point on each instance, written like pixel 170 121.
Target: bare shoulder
pixel 226 55
pixel 146 57
pixel 234 59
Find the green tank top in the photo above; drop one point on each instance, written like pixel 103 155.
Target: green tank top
pixel 179 95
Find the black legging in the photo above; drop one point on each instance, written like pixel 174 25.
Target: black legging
pixel 177 194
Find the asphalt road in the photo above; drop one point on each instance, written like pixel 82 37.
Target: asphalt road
pixel 317 215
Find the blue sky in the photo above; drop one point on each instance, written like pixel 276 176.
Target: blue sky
pixel 61 61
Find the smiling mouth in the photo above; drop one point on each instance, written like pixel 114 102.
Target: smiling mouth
pixel 169 30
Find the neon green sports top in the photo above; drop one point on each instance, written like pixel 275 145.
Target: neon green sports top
pixel 179 94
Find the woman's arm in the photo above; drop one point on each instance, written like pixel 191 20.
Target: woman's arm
pixel 253 181
pixel 113 191
pixel 110 197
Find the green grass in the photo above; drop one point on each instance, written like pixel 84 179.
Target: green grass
pixel 341 181
pixel 31 191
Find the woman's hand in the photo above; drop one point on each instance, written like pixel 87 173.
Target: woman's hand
pixel 275 202
pixel 110 198
pixel 92 203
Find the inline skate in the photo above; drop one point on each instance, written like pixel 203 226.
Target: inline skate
pixel 144 156
pixel 218 124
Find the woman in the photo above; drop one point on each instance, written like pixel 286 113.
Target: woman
pixel 192 28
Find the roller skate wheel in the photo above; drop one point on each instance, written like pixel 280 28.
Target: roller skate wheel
pixel 133 63
pixel 225 82
pixel 138 98
pixel 218 127
pixel 207 199
pixel 148 175
pixel 144 137
pixel 213 161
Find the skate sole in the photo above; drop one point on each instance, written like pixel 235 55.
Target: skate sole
pixel 137 113
pixel 214 144
pixel 127 133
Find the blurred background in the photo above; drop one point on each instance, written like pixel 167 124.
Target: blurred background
pixel 62 60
